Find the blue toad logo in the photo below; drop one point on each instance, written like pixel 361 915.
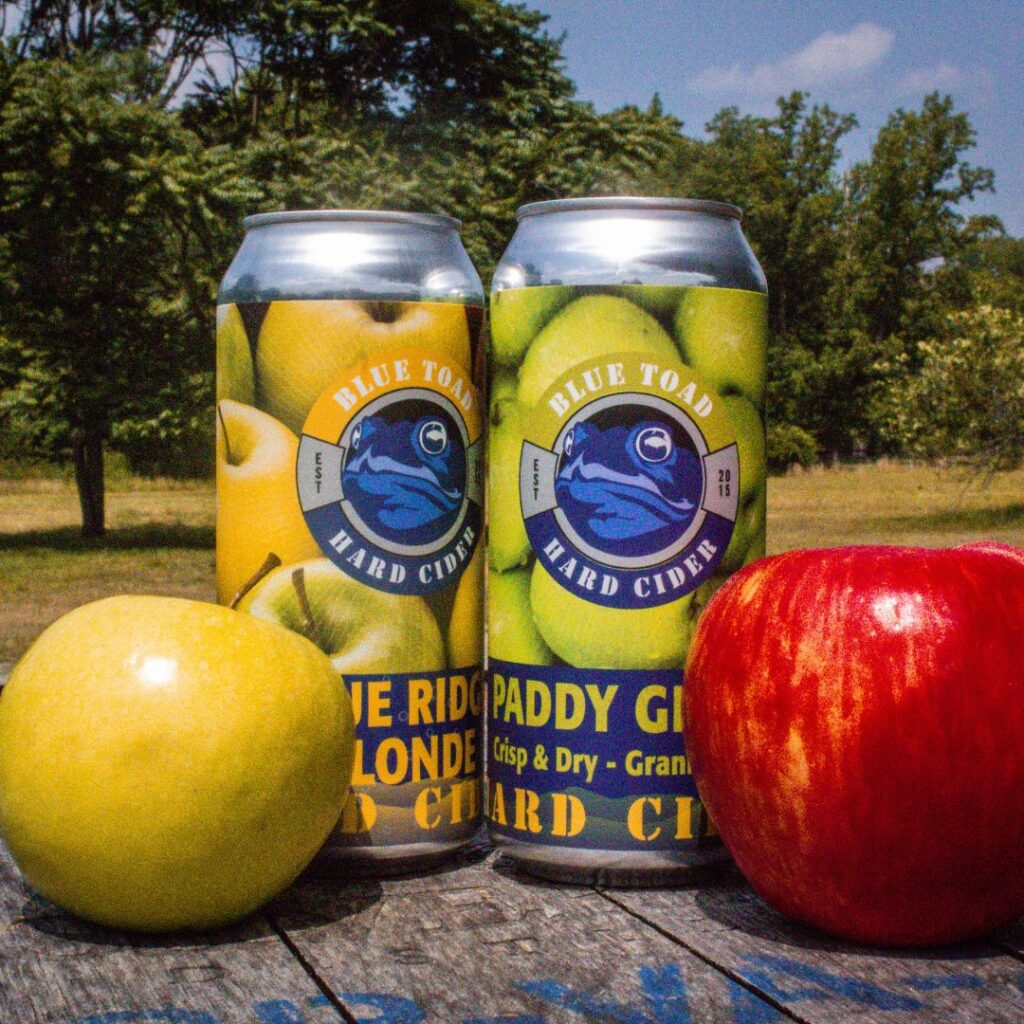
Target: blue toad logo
pixel 634 487
pixel 406 475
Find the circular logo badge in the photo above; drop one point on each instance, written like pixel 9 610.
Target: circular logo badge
pixel 389 472
pixel 629 480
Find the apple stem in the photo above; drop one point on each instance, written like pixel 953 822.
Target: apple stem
pixel 270 563
pixel 383 310
pixel 299 583
pixel 227 443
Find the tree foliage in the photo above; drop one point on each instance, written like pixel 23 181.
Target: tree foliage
pixel 134 134
pixel 967 397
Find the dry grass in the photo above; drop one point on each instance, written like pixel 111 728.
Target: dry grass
pixel 161 533
pixel 160 540
pixel 887 503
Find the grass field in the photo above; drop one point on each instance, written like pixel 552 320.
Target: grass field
pixel 161 533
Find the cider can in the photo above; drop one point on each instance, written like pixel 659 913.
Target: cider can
pixel 350 435
pixel 626 482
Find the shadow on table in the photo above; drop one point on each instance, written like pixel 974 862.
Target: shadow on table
pixel 332 889
pixel 737 907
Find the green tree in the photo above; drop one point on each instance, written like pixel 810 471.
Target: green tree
pixel 967 397
pixel 104 211
pixel 904 214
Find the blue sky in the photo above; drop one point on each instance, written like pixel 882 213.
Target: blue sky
pixel 863 57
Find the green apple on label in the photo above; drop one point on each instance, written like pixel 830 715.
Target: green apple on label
pixel 511 632
pixel 360 628
pixel 750 440
pixel 589 635
pixel 170 764
pixel 503 389
pixel 304 346
pixel 722 334
pixel 592 326
pixel 657 299
pixel 747 533
pixel 507 543
pixel 258 512
pixel 517 314
pixel 234 356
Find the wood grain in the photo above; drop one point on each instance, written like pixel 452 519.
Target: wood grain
pixel 474 945
pixel 821 981
pixel 57 969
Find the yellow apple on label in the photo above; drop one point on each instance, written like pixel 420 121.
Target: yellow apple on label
pixel 589 635
pixel 305 345
pixel 258 512
pixel 466 628
pixel 234 356
pixel 360 628
pixel 592 326
pixel 170 764
pixel 511 632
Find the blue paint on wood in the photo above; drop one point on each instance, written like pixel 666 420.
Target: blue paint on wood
pixel 747 1008
pixel 941 982
pixel 166 1015
pixel 387 1009
pixel 278 1011
pixel 664 989
pixel 583 1003
pixel 821 984
pixel 516 1018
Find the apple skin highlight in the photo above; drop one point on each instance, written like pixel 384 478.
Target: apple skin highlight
pixel 854 720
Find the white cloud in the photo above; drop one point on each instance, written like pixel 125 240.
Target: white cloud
pixel 831 57
pixel 943 76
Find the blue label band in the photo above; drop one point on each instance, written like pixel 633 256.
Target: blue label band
pixel 417 754
pixel 590 759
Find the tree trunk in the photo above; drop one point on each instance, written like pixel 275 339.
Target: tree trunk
pixel 89 478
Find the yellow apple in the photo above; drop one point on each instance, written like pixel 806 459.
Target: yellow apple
pixel 466 628
pixel 360 628
pixel 589 635
pixel 511 632
pixel 234 357
pixel 591 326
pixel 170 764
pixel 305 345
pixel 258 511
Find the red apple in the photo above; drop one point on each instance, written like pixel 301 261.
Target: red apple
pixel 855 722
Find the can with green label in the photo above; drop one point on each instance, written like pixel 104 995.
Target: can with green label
pixel 626 482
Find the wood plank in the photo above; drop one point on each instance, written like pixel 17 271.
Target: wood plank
pixel 474 946
pixel 821 981
pixel 58 969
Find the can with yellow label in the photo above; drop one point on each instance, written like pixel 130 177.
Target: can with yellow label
pixel 350 497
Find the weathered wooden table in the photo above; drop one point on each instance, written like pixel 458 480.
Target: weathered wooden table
pixel 474 945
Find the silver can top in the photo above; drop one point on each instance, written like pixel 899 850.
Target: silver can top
pixel 426 220
pixel 351 254
pixel 711 207
pixel 618 240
